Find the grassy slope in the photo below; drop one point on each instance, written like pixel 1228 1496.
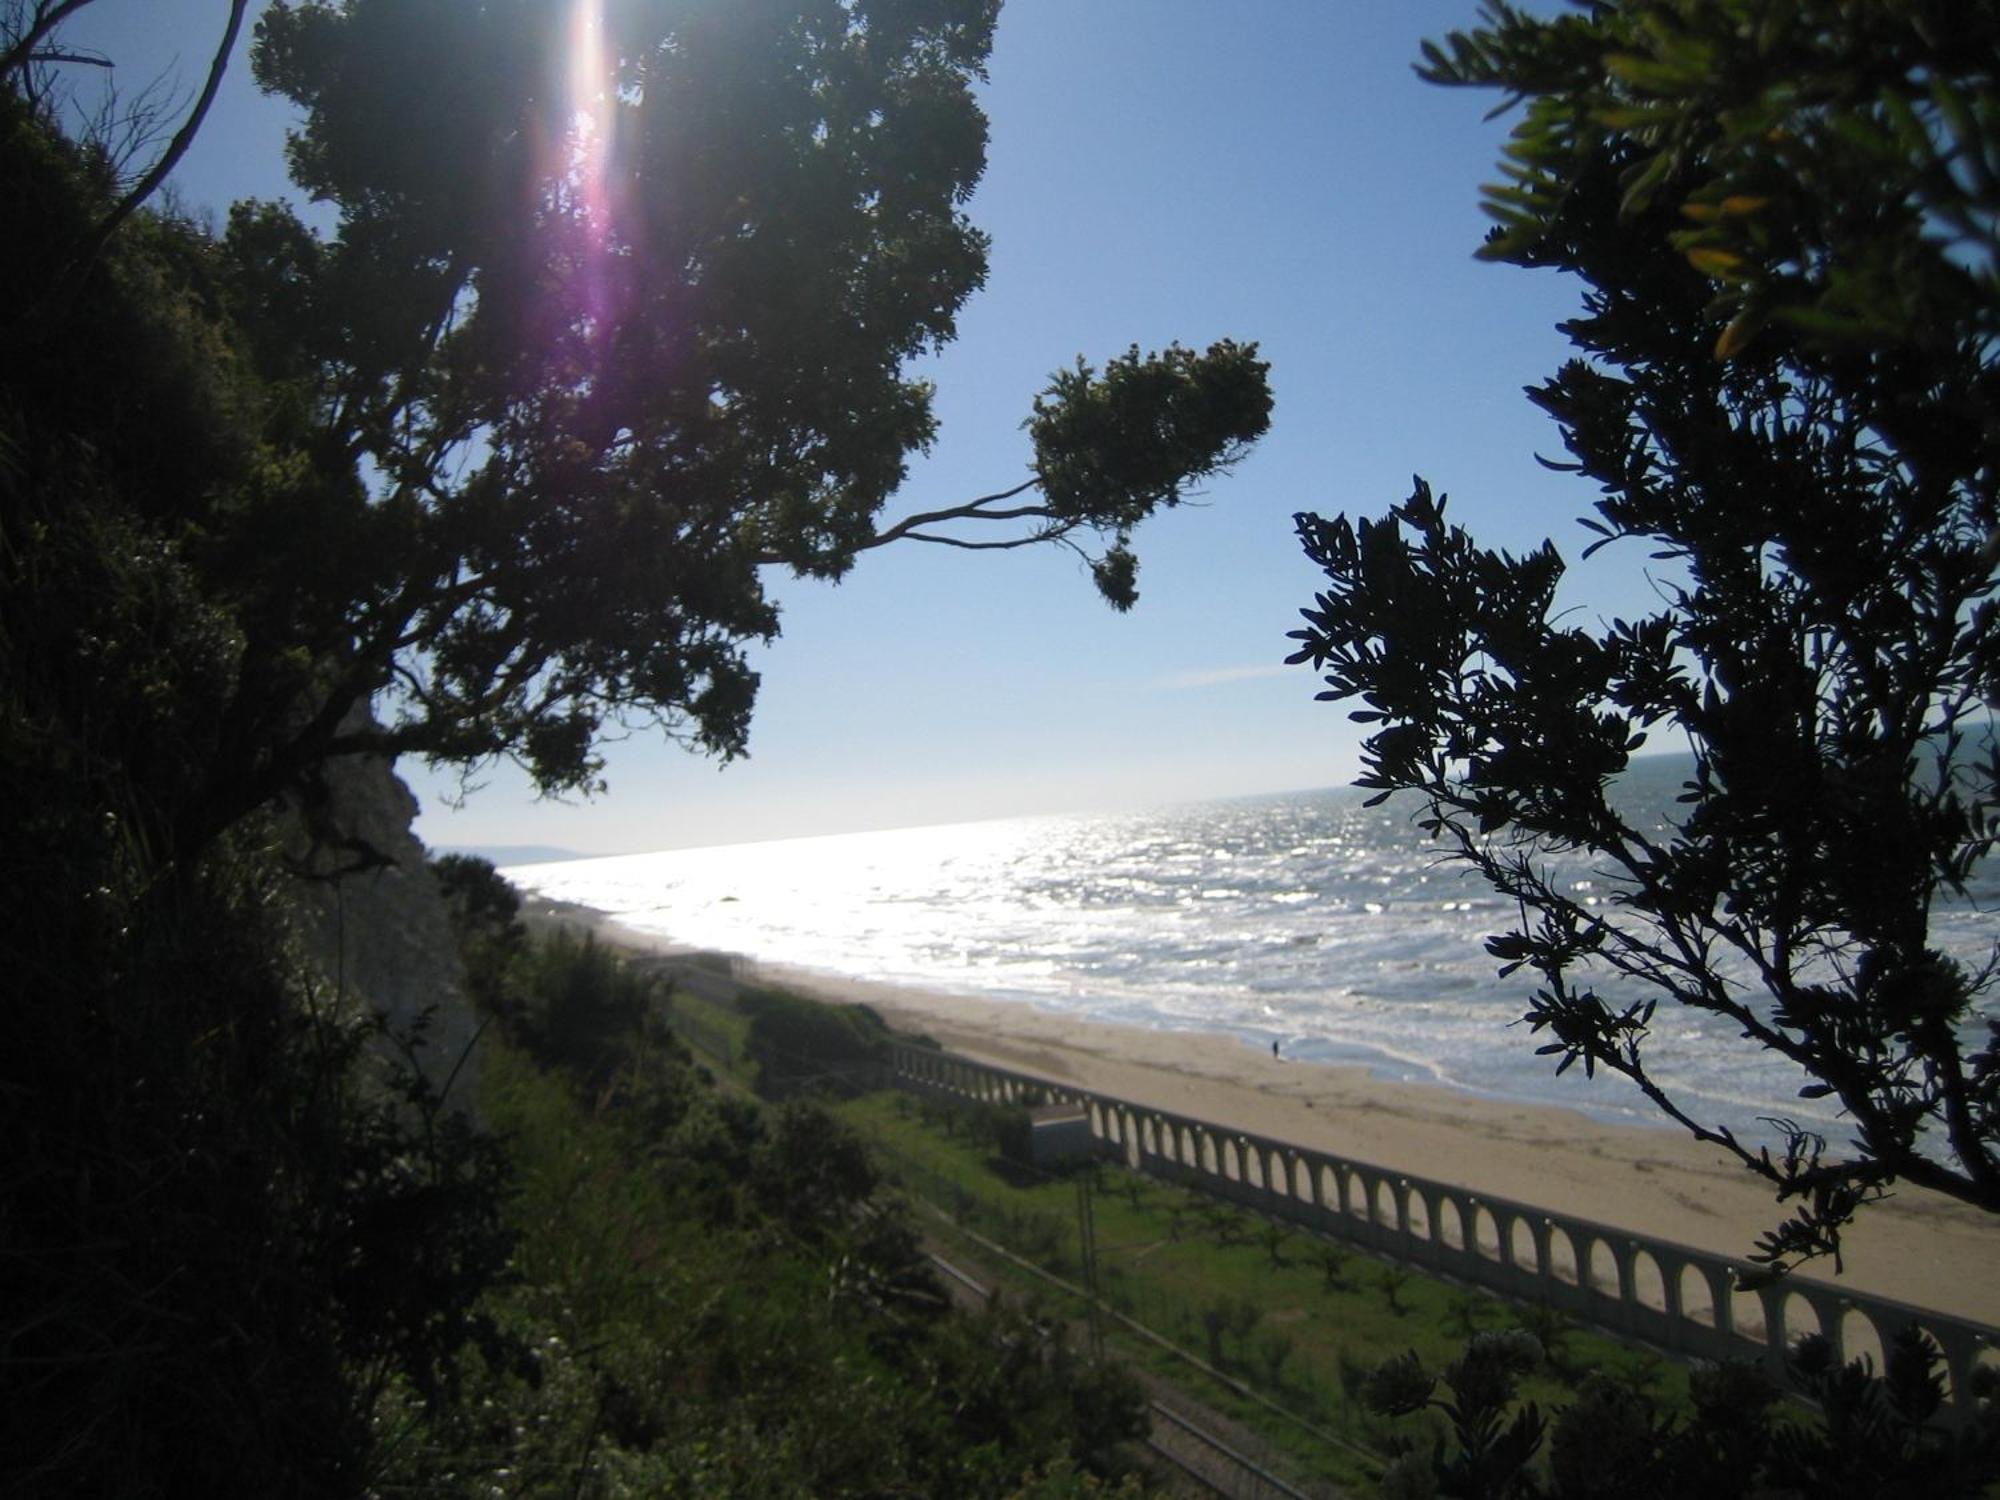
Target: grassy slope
pixel 1296 1318
pixel 706 1298
pixel 1293 1309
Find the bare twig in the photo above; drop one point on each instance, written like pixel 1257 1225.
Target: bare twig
pixel 46 19
pixel 177 147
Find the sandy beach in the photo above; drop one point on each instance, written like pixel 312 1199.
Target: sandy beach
pixel 1917 1247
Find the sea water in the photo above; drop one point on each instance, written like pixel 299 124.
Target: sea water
pixel 1334 929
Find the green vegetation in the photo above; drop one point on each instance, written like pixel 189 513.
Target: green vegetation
pixel 508 484
pixel 224 1230
pixel 1786 218
pixel 719 1032
pixel 799 1046
pixel 709 1296
pixel 1297 1320
pixel 271 499
pixel 1875 1437
pixel 508 468
pixel 1541 1408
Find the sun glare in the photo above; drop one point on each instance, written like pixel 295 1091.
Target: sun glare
pixel 590 98
pixel 587 177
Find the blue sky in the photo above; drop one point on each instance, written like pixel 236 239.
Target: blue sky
pixel 1159 170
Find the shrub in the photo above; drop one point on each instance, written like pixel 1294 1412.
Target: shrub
pixel 1877 1438
pixel 799 1044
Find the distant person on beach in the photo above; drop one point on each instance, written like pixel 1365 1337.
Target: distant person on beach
pixel 1274 1046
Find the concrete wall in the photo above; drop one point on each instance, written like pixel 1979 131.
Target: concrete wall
pixel 1677 1297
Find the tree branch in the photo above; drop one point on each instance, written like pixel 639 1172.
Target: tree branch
pixel 21 53
pixel 971 510
pixel 83 59
pixel 1005 544
pixel 176 148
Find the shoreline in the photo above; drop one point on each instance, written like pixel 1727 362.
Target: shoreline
pixel 1916 1247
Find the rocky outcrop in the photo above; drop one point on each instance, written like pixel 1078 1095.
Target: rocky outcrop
pixel 372 919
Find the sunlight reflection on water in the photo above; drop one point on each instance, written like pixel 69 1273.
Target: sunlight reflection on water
pixel 1307 919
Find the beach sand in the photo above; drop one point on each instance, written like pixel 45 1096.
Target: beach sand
pixel 1917 1247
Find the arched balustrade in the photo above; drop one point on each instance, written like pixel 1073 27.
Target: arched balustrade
pixel 1698 1296
pixel 1797 1317
pixel 1648 1283
pixel 1277 1172
pixel 1418 1216
pixel 1450 1224
pixel 1681 1298
pixel 1604 1276
pixel 1355 1190
pixel 1861 1339
pixel 1747 1318
pixel 1984 1358
pixel 1523 1247
pixel 1380 1207
pixel 1562 1252
pixel 1485 1232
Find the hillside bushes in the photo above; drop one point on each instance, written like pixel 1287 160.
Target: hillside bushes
pixel 800 1044
pixel 712 1295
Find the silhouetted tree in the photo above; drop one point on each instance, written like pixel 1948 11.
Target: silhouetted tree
pixel 618 313
pixel 616 316
pixel 502 457
pixel 1785 217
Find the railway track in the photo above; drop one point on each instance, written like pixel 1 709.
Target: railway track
pixel 1213 1466
pixel 1211 1463
pixel 1208 1464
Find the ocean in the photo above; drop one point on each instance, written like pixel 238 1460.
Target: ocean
pixel 1309 919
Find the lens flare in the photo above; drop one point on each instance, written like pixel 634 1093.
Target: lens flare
pixel 587 187
pixel 589 93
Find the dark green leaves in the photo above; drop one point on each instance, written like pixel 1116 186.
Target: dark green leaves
pixel 1453 649
pixel 611 375
pixel 1813 199
pixel 1112 447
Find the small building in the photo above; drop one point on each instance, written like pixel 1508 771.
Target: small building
pixel 1059 1134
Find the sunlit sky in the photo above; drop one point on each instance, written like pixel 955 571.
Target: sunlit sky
pixel 1159 170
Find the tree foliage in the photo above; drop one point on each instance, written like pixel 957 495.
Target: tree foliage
pixel 1876 1434
pixel 609 347
pixel 617 314
pixel 717 1297
pixel 504 456
pixel 1783 215
pixel 805 1046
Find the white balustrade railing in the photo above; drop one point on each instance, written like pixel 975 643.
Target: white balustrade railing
pixel 1674 1296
